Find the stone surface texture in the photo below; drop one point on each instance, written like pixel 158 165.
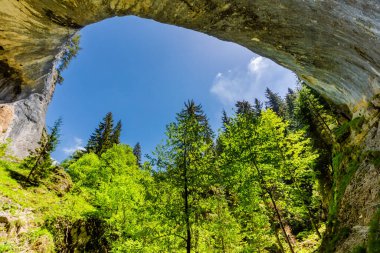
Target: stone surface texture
pixel 334 45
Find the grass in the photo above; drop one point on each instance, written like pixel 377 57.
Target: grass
pixel 42 200
pixel 6 247
pixel 45 205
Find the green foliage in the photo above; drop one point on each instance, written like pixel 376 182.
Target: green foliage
pixel 39 162
pixel 41 240
pixel 338 236
pixel 186 163
pixel 71 49
pixel 113 183
pixel 45 204
pixel 104 136
pixel 373 244
pixel 343 132
pixel 312 114
pixel 6 248
pixel 255 190
pixel 137 153
pixel 275 102
pixel 267 166
pixel 342 177
pixel 359 249
pixel 4 148
pixel 374 157
pixel 357 123
pixel 337 161
pixel 243 107
pixel 290 100
pixel 84 171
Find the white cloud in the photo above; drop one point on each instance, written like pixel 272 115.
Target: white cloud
pixel 78 145
pixel 55 162
pixel 251 82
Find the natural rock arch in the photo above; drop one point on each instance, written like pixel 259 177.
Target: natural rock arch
pixel 334 45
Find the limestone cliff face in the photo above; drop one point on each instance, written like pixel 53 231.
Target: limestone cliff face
pixel 333 45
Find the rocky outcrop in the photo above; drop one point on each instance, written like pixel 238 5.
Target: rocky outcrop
pixel 80 236
pixel 23 120
pixel 333 45
pixel 16 223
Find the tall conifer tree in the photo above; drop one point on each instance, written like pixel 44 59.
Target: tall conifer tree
pixel 104 136
pixel 187 158
pixel 243 107
pixel 137 153
pixel 258 107
pixel 39 161
pixel 115 137
pixel 275 102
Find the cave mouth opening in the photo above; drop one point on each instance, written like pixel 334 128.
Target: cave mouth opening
pixel 143 71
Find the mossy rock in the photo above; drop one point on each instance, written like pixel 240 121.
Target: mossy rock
pixel 59 181
pixel 344 131
pixel 373 245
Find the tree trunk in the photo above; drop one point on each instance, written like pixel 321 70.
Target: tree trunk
pixel 278 241
pixel 313 223
pixel 34 167
pixel 319 115
pixel 263 185
pixel 280 221
pixel 186 199
pixel 293 180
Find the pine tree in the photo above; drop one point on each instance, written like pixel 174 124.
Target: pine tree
pixel 187 158
pixel 258 107
pixel 290 99
pixel 115 137
pixel 225 122
pixel 225 119
pixel 137 153
pixel 310 113
pixel 275 102
pixel 243 107
pixel 39 161
pixel 71 51
pixel 106 140
pixel 104 136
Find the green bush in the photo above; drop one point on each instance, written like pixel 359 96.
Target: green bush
pixel 342 132
pixel 6 248
pixel 359 249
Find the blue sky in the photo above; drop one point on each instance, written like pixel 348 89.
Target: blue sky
pixel 143 71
